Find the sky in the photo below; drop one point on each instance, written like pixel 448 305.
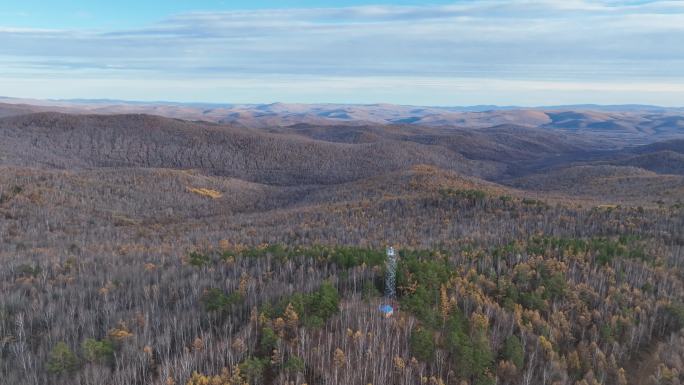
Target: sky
pixel 524 52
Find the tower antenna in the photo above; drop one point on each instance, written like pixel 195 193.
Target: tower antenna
pixel 391 274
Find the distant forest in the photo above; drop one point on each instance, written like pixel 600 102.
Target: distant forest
pixel 140 249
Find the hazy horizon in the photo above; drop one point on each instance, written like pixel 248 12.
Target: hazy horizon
pixel 105 101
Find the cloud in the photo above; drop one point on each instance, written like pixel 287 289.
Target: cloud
pixel 549 42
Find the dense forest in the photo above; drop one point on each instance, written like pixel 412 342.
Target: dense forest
pixel 145 250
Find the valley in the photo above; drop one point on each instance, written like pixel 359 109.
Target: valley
pixel 150 245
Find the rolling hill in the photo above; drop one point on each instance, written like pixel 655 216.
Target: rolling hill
pixel 286 155
pixel 621 124
pixel 160 250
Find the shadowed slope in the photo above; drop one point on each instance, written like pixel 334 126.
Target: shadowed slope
pixel 66 141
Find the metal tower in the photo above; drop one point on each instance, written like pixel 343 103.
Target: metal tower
pixel 391 274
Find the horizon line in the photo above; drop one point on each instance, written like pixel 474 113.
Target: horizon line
pixel 86 101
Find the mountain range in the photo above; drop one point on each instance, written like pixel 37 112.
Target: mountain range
pixel 558 151
pixel 633 123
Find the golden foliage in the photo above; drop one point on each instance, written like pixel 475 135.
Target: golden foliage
pixel 574 360
pixel 244 283
pixel 205 192
pixel 399 363
pixel 339 359
pixel 225 245
pixel 107 288
pixel 546 345
pixel 276 357
pixel 26 280
pixel 198 344
pixel 480 321
pixel 622 378
pixel 279 326
pixel 225 378
pixel 120 332
pixel 506 369
pixel 254 316
pixel 239 345
pixel 291 316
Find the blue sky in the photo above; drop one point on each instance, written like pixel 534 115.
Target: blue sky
pixel 132 13
pixel 525 52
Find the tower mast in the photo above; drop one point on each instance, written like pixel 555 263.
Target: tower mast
pixel 391 274
pixel 390 283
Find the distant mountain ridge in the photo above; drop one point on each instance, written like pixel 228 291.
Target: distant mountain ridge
pixel 629 124
pixel 470 108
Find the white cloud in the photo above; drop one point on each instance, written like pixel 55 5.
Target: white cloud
pixel 564 43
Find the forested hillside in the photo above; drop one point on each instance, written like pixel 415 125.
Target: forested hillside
pixel 138 249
